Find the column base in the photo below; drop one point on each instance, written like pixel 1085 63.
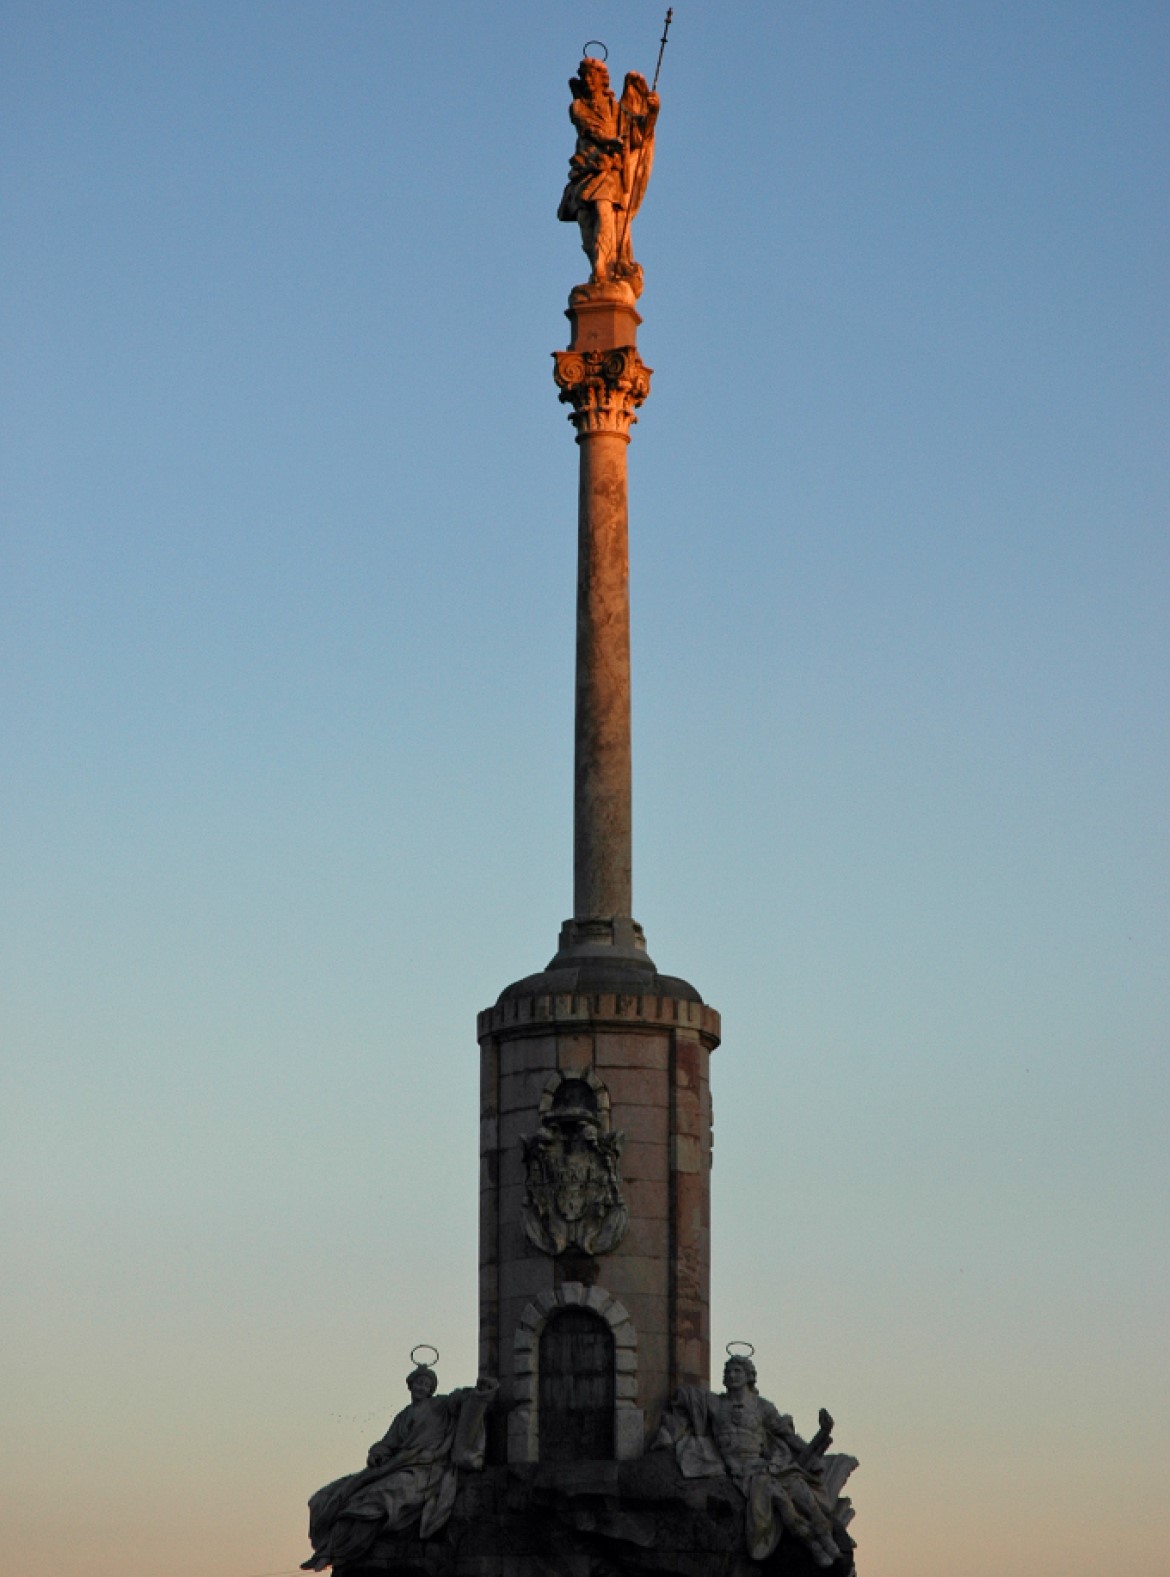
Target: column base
pixel 615 937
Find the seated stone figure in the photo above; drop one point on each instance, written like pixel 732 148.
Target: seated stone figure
pixel 411 1473
pixel 791 1487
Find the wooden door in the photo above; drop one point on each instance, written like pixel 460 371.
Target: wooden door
pixel 576 1388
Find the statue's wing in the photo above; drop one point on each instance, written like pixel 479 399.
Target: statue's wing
pixel 638 136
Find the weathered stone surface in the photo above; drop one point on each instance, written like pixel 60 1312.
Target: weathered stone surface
pixel 609 172
pixel 643 1052
pixel 647 1162
pixel 639 1086
pixel 637 1518
pixel 537 1052
pixel 522 1088
pixel 644 1125
pixel 648 1199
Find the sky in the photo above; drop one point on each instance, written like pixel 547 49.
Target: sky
pixel 288 559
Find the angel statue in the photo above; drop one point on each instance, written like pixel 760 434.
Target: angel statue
pixel 609 169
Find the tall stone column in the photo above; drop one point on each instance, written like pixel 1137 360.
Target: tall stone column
pixel 604 386
pixel 604 380
pixel 596 1123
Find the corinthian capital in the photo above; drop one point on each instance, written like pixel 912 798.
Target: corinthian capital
pixel 604 387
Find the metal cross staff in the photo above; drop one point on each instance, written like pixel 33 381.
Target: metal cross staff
pixel 642 149
pixel 662 46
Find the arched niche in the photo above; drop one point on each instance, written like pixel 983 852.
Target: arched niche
pixel 577 1086
pixel 626 1439
pixel 575 1387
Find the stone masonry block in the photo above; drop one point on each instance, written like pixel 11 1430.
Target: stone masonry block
pixel 637 1274
pixel 688 1115
pixel 648 1199
pixel 629 1432
pixel 692 1362
pixel 642 1124
pixel 524 1389
pixel 688 1322
pixel 690 1063
pixel 637 1087
pixel 524 1278
pixel 512 1242
pixel 648 1313
pixel 529 1053
pixel 521 1435
pixel 644 1235
pixel 690 1201
pixel 521 1090
pixel 653 1352
pixel 632 1051
pixel 574 1052
pixel 686 1154
pixel 525 1329
pixel 598 1299
pixel 649 1163
pixel 511 1164
pixel 513 1127
pixel 489 1068
pixel 518 1318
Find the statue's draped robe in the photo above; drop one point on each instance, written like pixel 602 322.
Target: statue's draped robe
pixel 428 1444
pixel 702 1428
pixel 601 174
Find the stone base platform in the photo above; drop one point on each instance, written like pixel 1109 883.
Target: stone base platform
pixel 592 1519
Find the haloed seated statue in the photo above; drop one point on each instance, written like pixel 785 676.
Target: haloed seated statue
pixel 411 1474
pixel 791 1488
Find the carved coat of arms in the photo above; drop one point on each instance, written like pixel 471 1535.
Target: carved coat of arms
pixel 573 1196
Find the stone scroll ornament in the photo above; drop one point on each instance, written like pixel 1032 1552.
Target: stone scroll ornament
pixel 573 1195
pixel 604 387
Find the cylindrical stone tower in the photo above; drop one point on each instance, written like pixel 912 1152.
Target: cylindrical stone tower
pixel 595 1103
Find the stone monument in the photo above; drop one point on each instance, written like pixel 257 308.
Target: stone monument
pixel 592 1446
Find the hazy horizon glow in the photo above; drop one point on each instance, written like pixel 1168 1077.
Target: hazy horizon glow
pixel 289 554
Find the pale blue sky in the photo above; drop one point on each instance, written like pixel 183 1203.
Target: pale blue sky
pixel 288 587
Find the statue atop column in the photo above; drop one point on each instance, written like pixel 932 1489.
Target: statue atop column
pixel 609 170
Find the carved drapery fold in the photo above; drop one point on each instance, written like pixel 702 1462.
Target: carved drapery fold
pixel 604 387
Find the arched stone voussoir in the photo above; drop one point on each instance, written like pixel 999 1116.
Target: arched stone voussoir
pixel 523 1422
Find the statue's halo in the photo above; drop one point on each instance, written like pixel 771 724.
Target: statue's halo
pixel 424 1363
pixel 732 1350
pixel 585 50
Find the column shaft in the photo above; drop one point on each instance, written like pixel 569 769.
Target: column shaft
pixel 602 780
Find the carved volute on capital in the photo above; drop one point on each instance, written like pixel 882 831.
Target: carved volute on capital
pixel 604 388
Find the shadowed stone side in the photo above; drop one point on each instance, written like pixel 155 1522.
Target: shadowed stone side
pixel 593 1519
